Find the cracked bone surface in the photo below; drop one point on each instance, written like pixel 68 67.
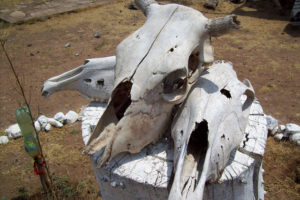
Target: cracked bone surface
pixel 209 126
pixel 156 67
pixel 147 175
pixel 94 79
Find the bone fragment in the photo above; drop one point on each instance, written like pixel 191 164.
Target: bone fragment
pixel 94 79
pixel 219 26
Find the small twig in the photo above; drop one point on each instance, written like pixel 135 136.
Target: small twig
pixel 30 90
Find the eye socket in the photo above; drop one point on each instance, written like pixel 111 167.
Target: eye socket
pixel 175 85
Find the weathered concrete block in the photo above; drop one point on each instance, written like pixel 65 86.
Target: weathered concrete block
pixel 137 176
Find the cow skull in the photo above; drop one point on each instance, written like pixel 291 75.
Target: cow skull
pixel 207 128
pixel 94 79
pixel 155 70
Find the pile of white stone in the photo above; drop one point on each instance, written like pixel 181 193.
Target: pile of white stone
pixel 42 123
pixel 283 132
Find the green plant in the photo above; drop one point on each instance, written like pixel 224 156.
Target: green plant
pixel 22 193
pixel 65 189
pixel 75 132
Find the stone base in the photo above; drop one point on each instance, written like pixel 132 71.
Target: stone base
pixel 148 174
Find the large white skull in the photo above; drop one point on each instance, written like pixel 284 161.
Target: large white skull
pixel 155 69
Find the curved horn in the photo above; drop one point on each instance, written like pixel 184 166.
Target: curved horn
pixel 144 4
pixel 219 26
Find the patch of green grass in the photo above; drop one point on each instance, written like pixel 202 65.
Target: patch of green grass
pixel 75 132
pixel 64 189
pixel 22 193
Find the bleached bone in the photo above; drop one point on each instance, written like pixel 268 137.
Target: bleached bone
pixel 221 25
pixel 94 79
pixel 144 5
pixel 209 126
pixel 155 69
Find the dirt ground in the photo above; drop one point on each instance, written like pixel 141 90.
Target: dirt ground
pixel 266 50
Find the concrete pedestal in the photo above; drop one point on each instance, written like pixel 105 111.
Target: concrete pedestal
pixel 147 175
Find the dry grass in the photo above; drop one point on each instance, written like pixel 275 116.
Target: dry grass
pixel 73 171
pixel 261 51
pixel 281 163
pixel 10 4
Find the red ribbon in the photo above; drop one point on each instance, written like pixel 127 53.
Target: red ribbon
pixel 35 168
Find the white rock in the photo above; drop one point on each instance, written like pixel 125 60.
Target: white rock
pixel 298 142
pixel 13 131
pixel 278 136
pixel 281 129
pixel 55 123
pixel 18 14
pixel 295 137
pixel 4 140
pixel 43 121
pixel 48 127
pixel 113 184
pixel 60 117
pixel 272 123
pixel 292 128
pixel 274 131
pixel 71 117
pixel 37 126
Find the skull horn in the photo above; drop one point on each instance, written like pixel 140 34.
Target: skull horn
pixel 221 25
pixel 144 5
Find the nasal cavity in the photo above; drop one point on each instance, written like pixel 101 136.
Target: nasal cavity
pixel 198 145
pixel 100 82
pixel 198 142
pixel 121 98
pixel 88 80
pixel 194 61
pixel 226 93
